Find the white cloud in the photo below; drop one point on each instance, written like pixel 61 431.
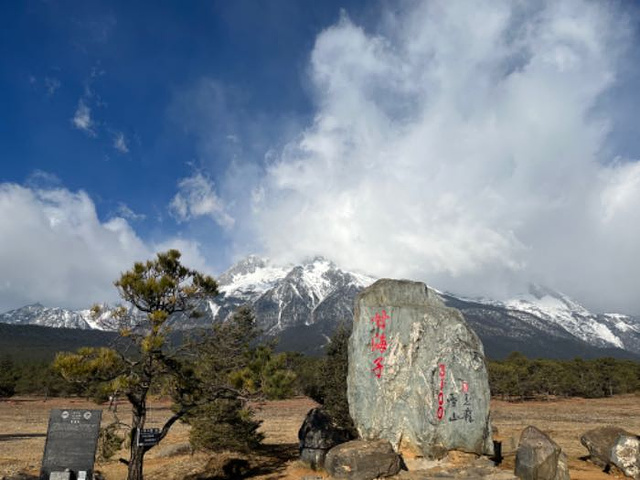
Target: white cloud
pixel 124 211
pixel 196 197
pixel 462 145
pixel 55 250
pixel 52 85
pixel 82 119
pixel 120 142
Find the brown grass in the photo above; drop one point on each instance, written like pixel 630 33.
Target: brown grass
pixel 23 425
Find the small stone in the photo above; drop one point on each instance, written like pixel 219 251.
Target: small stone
pixel 625 455
pixel 540 458
pixel 362 460
pixel 614 446
pixel 599 442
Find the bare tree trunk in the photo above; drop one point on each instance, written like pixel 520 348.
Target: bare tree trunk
pixel 136 459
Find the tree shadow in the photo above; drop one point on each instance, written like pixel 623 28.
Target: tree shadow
pixel 22 476
pixel 265 460
pixel 19 436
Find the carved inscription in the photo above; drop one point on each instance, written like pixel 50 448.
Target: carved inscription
pixel 379 342
pixel 441 374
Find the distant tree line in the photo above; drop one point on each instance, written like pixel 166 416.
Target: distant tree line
pixel 518 377
pixel 22 377
pixel 324 378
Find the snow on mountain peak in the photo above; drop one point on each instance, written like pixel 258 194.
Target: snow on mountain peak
pixel 315 277
pixel 560 300
pixel 557 307
pixel 624 323
pixel 251 277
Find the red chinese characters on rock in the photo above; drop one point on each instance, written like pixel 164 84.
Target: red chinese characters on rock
pixel 441 373
pixel 379 341
pixel 377 369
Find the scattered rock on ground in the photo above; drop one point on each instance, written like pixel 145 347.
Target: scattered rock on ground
pixel 317 436
pixel 540 458
pixel 454 465
pixel 362 460
pixel 614 446
pixel 417 373
pixel 626 455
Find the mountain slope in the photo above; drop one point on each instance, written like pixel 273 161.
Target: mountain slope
pixel 38 314
pixel 38 343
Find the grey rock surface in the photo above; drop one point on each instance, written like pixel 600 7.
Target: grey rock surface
pixel 614 446
pixel 317 436
pixel 471 473
pixel 417 373
pixel 625 455
pixel 362 460
pixel 599 442
pixel 458 466
pixel 540 458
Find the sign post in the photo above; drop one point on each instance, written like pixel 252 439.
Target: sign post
pixel 147 437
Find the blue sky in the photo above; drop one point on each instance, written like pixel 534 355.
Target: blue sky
pixel 477 146
pixel 130 66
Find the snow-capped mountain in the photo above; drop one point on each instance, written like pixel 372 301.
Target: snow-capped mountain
pixel 288 296
pixel 38 314
pixel 302 304
pixel 547 323
pixel 608 330
pixel 594 329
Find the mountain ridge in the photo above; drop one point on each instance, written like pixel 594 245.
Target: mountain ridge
pixel 309 300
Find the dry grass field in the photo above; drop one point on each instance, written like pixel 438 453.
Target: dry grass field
pixel 23 425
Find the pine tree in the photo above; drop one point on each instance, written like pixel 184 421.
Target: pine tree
pixel 230 358
pixel 333 380
pixel 157 289
pixel 8 377
pixel 223 420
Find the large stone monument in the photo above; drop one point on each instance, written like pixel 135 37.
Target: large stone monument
pixel 417 374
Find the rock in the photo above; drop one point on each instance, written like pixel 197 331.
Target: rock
pixel 317 436
pixel 625 455
pixel 614 446
pixel 540 458
pixel 599 442
pixel 362 460
pixel 451 467
pixel 417 373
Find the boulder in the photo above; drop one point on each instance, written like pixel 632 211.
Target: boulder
pixel 614 446
pixel 417 373
pixel 317 436
pixel 540 458
pixel 362 460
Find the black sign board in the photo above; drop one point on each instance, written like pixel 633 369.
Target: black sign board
pixel 148 437
pixel 72 438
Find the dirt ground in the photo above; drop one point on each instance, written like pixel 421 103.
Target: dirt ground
pixel 23 426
